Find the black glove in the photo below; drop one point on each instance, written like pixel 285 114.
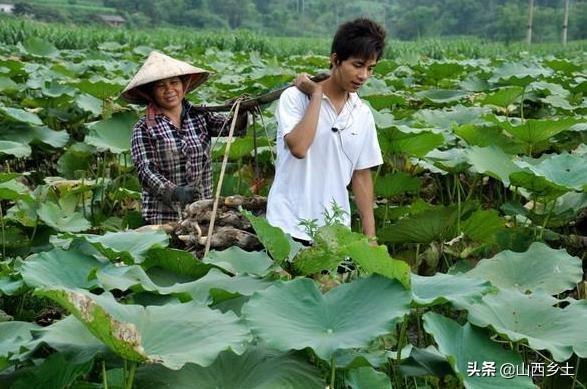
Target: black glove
pixel 182 194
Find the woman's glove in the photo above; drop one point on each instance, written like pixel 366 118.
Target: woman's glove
pixel 182 194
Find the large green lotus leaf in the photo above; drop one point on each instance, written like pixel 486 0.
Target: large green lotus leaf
pixel 425 362
pixel 519 73
pixel 503 97
pixel 56 217
pixel 178 262
pixel 433 225
pixel 441 96
pixel 16 149
pixel 376 259
pixel 172 335
pixel 493 162
pixel 533 131
pixel 482 225
pixel 563 65
pixel 13 336
pixel 397 183
pixel 112 134
pixel 383 118
pixel 379 102
pixel 533 318
pixel 445 161
pixel 236 261
pixel 9 286
pixel 127 246
pixel 240 147
pixel 539 267
pixel 395 141
pixel 134 277
pixel 548 88
pixel 54 372
pixel 54 89
pixel 40 47
pixel 273 238
pixel 557 101
pixel 20 115
pixel 100 87
pixel 257 368
pixel 78 158
pixel 442 70
pixel 538 185
pixel 13 190
pixel 442 288
pixel 70 337
pixel 468 345
pixel 456 116
pixel 59 268
pixel 6 84
pixel 309 319
pixel 366 378
pixel 89 104
pixel 484 136
pixel 565 170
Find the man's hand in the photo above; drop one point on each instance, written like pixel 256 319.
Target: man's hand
pixel 309 87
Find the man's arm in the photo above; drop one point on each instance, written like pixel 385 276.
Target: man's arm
pixel 362 186
pixel 300 138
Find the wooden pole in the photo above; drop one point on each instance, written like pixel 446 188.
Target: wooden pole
pixel 221 178
pixel 530 12
pixel 565 21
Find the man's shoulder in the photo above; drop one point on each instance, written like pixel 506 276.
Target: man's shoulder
pixel 293 94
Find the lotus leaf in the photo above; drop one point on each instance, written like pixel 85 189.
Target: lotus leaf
pixel 540 267
pixel 441 288
pixel 257 368
pixel 70 337
pixel 20 115
pixel 59 268
pixel 396 183
pixel 40 47
pixel 367 377
pixel 127 246
pixel 493 162
pixel 565 170
pixel 533 318
pixel 54 372
pixel 457 115
pixel 503 97
pixel 425 362
pixel 273 238
pixel 395 141
pixel 89 104
pixel 482 225
pixel 534 131
pixel 468 346
pixel 172 335
pixel 486 136
pixel 519 73
pixel 442 96
pixel 112 134
pixel 235 260
pixel 372 306
pixel 6 84
pixel 13 336
pixel 54 216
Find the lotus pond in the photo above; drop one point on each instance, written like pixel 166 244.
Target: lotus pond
pixel 481 218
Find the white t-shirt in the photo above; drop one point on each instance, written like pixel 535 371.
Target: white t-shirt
pixel 304 188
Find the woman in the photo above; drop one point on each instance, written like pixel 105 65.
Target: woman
pixel 171 143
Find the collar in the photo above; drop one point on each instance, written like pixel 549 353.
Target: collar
pixel 153 111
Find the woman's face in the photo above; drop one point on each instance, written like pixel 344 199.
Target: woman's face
pixel 168 93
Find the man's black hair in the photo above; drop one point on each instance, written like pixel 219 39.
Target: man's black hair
pixel 361 38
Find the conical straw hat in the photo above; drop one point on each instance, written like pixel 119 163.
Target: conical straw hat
pixel 158 67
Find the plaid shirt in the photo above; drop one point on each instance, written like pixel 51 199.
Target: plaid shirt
pixel 166 156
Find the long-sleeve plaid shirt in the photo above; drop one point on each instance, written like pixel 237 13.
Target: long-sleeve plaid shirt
pixel 166 156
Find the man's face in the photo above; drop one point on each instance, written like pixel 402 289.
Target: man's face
pixel 168 93
pixel 353 72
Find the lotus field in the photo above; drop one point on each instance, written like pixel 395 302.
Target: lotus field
pixel 478 280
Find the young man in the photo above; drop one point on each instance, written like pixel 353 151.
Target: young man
pixel 326 137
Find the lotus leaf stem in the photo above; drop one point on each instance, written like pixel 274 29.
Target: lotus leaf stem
pixel 332 371
pixel 131 375
pixel 104 376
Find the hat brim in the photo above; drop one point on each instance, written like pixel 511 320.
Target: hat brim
pixel 158 67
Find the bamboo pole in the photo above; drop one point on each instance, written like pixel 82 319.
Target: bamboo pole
pixel 530 13
pixel 565 21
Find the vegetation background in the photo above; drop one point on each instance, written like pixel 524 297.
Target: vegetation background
pixel 405 19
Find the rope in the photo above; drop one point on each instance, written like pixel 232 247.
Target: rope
pixel 221 178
